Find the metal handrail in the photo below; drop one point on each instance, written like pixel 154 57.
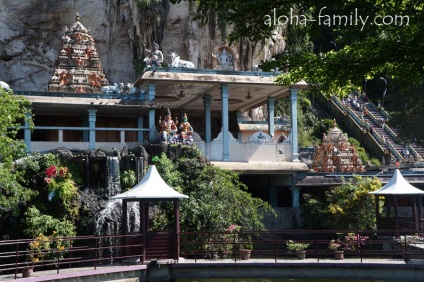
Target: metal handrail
pixel 273 244
pixel 89 250
pixel 83 250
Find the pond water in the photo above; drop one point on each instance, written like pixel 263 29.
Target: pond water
pixel 275 280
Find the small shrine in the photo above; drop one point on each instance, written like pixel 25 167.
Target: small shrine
pixel 336 154
pixel 78 68
pixel 224 58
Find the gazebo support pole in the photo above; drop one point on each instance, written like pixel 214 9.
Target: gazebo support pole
pixel 396 211
pixel 420 213
pixel 377 210
pixel 177 227
pixel 414 214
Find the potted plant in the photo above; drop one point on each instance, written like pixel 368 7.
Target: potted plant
pixel 242 242
pixel 346 242
pixel 37 250
pixel 245 250
pixel 297 247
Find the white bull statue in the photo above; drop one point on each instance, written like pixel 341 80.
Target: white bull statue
pixel 116 88
pixel 4 85
pixel 178 63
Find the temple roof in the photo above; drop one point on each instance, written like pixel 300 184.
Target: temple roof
pixel 78 27
pixel 186 88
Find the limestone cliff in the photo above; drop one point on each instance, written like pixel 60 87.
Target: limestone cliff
pixel 31 37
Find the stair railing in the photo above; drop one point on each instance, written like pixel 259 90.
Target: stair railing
pixel 359 123
pixel 393 150
pixel 386 127
pixel 348 109
pixel 414 153
pixel 374 107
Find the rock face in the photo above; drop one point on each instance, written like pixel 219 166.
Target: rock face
pixel 31 37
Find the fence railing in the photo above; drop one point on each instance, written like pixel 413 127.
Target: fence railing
pixel 390 244
pixel 80 251
pixel 92 251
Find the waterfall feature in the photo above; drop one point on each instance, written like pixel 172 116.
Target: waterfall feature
pixel 139 168
pixel 133 212
pixel 109 220
pixel 113 174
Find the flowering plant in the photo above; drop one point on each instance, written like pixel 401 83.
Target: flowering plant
pixel 59 182
pixel 226 241
pixel 38 249
pixel 243 241
pixel 348 242
pixel 46 247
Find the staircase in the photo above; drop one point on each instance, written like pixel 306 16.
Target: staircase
pixel 387 135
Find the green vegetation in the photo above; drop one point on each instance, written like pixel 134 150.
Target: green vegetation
pixel 348 206
pixel 296 246
pixel 336 55
pixel 127 179
pixel 36 223
pixel 52 196
pixel 13 194
pixel 217 198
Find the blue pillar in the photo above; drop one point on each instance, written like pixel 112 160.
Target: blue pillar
pixel 238 114
pixel 152 117
pixel 92 125
pixel 271 107
pixel 273 196
pixel 294 141
pixel 140 134
pixel 295 192
pixel 27 131
pixel 225 123
pixel 85 133
pixel 208 127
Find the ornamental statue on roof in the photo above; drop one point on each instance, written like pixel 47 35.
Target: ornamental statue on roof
pixel 336 154
pixel 78 68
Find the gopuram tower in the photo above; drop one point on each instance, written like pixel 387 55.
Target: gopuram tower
pixel 78 68
pixel 336 154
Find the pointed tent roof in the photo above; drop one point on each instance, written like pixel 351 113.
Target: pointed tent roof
pixel 398 186
pixel 152 186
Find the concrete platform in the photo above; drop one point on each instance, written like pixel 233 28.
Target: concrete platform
pixel 349 268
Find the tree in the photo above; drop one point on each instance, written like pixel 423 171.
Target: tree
pixel 217 198
pixel 13 111
pixel 338 46
pixel 349 206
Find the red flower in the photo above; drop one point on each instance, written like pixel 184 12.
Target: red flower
pixel 48 180
pixel 63 172
pixel 51 171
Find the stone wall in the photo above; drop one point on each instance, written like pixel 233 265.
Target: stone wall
pixel 31 32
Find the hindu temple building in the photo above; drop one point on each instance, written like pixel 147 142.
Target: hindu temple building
pixel 231 112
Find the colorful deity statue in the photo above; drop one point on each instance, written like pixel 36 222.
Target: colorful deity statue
pixel 168 128
pixel 186 131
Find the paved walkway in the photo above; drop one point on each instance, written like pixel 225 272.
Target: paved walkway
pixel 50 275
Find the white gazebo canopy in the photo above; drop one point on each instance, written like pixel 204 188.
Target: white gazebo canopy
pixel 398 186
pixel 152 186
